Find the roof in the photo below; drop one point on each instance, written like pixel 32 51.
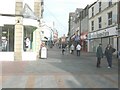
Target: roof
pixel 93 3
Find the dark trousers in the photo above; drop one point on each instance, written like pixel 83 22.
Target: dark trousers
pixel 72 51
pixel 109 60
pixel 78 52
pixel 98 61
pixel 63 51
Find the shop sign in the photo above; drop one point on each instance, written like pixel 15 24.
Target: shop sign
pixel 103 33
pixel 92 35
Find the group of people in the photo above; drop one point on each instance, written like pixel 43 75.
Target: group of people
pixel 78 48
pixel 109 50
pixel 72 49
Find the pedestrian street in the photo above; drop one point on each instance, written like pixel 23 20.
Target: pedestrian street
pixel 60 71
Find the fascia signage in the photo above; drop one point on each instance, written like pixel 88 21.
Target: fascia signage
pixel 92 35
pixel 112 31
pixel 103 33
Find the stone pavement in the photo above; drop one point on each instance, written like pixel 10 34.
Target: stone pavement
pixel 60 71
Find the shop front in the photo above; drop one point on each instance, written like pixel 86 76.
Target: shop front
pixel 8 38
pixel 106 36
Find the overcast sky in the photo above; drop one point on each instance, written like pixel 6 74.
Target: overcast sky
pixel 58 11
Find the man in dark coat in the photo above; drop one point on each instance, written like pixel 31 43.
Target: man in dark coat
pixel 99 55
pixel 108 53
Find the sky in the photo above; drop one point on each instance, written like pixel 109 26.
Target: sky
pixel 57 11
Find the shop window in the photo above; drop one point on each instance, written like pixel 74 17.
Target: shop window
pixel 7 38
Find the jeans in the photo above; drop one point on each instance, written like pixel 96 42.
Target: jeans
pixel 109 60
pixel 98 61
pixel 78 52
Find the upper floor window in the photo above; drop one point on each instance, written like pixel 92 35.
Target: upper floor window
pixel 100 22
pixel 92 11
pixel 86 12
pixel 99 6
pixel 110 3
pixel 109 18
pixel 92 25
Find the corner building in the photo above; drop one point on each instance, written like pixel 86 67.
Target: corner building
pixel 14 28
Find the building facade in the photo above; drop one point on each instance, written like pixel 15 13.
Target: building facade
pixel 74 27
pixel 15 28
pixel 102 25
pixel 84 28
pixel 71 26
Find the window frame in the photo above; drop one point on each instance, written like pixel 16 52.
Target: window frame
pixel 100 6
pixel 100 22
pixel 92 25
pixel 110 18
pixel 92 11
pixel 109 3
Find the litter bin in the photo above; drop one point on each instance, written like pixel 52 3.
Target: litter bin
pixel 43 53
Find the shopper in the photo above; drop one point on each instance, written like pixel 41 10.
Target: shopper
pixel 109 53
pixel 78 48
pixel 99 55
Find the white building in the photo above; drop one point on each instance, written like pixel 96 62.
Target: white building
pixel 102 24
pixel 16 24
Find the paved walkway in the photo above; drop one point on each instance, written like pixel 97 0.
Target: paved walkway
pixel 60 71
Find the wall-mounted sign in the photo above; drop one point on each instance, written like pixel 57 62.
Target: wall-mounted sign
pixel 103 33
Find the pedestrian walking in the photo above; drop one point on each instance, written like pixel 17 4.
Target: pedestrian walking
pixel 99 55
pixel 72 49
pixel 78 48
pixel 108 53
pixel 63 48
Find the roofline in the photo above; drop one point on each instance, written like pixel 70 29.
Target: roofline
pixel 93 3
